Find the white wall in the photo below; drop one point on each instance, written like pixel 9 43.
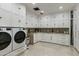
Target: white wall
pixel 13 15
pixel 76 26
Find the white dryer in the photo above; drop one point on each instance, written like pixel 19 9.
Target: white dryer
pixel 19 36
pixel 5 41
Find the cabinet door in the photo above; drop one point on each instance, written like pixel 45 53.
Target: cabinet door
pixel 28 22
pixel 44 37
pixel 11 7
pixel 52 23
pixel 22 10
pixel 15 21
pixel 58 23
pixel 66 23
pixel 33 22
pixel 14 8
pixel 19 9
pixel 5 18
pixel 55 38
pixel 65 39
pixel 59 16
pixel 39 37
pixel 44 23
pixel 22 21
pixel 36 37
pixel 47 37
pixel 6 6
pixel 36 23
pixel 61 39
pixel 41 24
pixel 66 15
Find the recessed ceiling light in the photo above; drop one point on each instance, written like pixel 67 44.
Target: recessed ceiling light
pixel 33 3
pixel 42 11
pixel 60 7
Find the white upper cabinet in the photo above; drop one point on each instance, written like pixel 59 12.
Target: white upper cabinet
pixel 5 18
pixel 66 23
pixel 18 21
pixel 62 23
pixel 58 23
pixel 14 8
pixel 31 20
pixel 22 21
pixel 63 15
pixel 52 21
pixel 6 6
pixel 22 10
pixel 15 21
pixel 13 15
pixel 35 24
pixel 44 22
pixel 55 20
pixel 22 18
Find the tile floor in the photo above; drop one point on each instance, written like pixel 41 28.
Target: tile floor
pixel 47 49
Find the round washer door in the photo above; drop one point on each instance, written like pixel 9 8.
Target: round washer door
pixel 19 37
pixel 5 40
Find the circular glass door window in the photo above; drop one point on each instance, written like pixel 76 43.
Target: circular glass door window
pixel 19 37
pixel 5 40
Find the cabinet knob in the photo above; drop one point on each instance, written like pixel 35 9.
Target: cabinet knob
pixel 19 8
pixel 26 23
pixel 19 21
pixel 0 17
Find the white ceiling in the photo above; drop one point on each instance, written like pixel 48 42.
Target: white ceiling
pixel 50 7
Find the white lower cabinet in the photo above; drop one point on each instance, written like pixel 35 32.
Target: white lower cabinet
pixel 55 38
pixel 52 38
pixel 42 37
pixel 46 37
pixel 36 37
pixel 61 39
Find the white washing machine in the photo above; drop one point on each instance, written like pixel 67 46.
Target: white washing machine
pixel 19 38
pixel 5 41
